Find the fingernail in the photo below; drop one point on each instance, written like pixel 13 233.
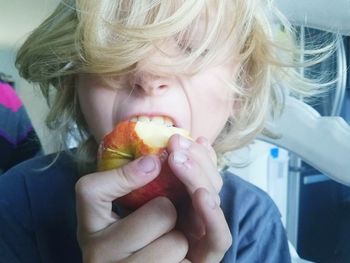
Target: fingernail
pixel 184 143
pixel 180 157
pixel 147 164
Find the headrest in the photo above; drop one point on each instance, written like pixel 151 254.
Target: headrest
pixel 331 16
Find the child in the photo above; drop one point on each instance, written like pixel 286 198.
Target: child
pixel 211 66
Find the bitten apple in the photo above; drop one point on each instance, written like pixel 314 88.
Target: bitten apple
pixel 130 140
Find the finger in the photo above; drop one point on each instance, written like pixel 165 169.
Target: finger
pixel 171 247
pixel 218 238
pixel 95 192
pixel 205 142
pixel 216 180
pixel 189 221
pixel 199 148
pixel 190 173
pixel 200 153
pixel 141 227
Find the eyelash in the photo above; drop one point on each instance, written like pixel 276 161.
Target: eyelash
pixel 188 50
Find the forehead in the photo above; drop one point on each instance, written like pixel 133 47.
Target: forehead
pixel 213 17
pixel 129 31
pixel 150 12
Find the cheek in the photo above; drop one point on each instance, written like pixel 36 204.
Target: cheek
pixel 211 106
pixel 211 116
pixel 210 112
pixel 97 107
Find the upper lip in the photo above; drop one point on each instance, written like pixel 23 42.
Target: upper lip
pixel 148 114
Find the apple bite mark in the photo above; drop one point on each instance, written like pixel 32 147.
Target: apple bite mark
pixel 130 140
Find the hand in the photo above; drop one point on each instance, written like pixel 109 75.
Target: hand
pixel 203 221
pixel 146 235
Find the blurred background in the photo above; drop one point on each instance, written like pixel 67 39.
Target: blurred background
pixel 18 18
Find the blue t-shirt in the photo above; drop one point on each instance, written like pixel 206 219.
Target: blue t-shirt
pixel 38 219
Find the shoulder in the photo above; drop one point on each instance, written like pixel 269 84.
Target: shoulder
pixel 36 178
pixel 44 163
pixel 254 222
pixel 37 207
pixel 245 204
pixel 240 194
pixel 39 180
pixel 40 168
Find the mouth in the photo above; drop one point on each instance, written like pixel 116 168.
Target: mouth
pixel 158 120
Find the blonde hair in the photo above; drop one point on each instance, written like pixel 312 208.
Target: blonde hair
pixel 109 37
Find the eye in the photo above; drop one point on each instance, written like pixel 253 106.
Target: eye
pixel 190 50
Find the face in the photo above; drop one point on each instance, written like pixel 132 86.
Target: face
pixel 198 103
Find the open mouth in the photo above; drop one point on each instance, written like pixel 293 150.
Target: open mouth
pixel 159 120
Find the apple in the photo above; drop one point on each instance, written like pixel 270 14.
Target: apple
pixel 130 140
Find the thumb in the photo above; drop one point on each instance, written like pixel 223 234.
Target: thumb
pixel 95 192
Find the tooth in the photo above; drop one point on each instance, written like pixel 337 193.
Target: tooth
pixel 143 119
pixel 158 120
pixel 168 122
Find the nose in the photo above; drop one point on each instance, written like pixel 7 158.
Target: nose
pixel 148 84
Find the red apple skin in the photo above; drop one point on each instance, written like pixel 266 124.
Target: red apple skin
pixel 123 145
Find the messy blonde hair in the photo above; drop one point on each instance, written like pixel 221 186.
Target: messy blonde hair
pixel 109 37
